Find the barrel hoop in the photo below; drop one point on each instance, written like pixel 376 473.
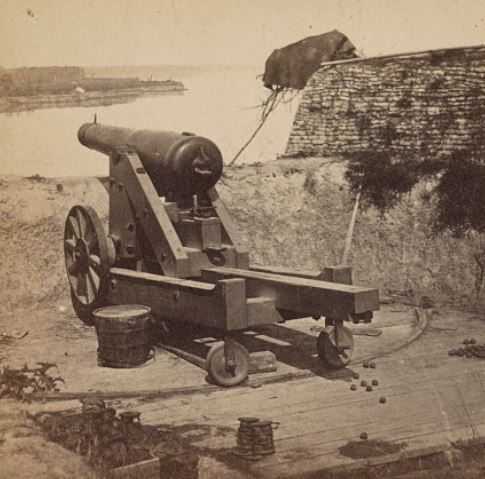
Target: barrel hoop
pixel 115 310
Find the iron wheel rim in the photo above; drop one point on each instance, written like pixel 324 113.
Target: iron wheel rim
pixel 86 255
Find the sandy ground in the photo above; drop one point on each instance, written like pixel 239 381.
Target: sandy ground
pixel 25 454
pixel 61 338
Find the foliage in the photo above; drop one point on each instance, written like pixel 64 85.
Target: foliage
pixel 459 192
pixel 380 179
pixel 18 383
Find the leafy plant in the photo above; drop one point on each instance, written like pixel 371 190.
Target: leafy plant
pixel 459 192
pixel 18 383
pixel 380 179
pixel 460 197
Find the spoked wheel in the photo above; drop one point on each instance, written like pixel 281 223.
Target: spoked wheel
pixel 335 345
pixel 228 363
pixel 89 255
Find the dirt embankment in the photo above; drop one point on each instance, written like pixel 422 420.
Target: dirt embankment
pixel 291 213
pixel 25 454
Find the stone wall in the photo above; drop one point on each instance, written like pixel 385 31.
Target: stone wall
pixel 426 104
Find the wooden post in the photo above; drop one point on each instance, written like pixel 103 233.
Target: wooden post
pixel 350 231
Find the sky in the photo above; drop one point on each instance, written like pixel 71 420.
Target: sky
pixel 222 32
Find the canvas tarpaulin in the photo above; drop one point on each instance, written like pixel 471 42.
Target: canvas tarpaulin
pixel 293 65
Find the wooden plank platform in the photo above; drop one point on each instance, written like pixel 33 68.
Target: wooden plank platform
pixel 433 400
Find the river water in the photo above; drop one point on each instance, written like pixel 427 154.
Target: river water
pixel 218 105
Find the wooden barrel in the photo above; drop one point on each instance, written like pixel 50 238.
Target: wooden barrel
pixel 123 335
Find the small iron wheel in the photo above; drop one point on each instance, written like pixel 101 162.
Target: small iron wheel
pixel 335 345
pixel 88 254
pixel 231 371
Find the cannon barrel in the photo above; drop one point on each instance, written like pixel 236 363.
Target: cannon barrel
pixel 179 164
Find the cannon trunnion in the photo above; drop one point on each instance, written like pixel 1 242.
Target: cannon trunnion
pixel 173 246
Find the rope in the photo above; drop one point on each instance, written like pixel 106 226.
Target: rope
pixel 268 106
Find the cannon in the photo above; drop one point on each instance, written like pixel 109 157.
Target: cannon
pixel 173 246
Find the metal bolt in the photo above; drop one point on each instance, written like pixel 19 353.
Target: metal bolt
pixel 373 365
pixel 363 384
pixel 368 389
pixel 382 400
pixel 353 387
pixel 375 382
pixel 364 435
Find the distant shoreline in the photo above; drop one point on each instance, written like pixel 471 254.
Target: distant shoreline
pixel 12 104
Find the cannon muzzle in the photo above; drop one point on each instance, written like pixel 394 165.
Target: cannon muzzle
pixel 179 164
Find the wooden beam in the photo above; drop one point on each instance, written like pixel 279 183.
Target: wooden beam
pixel 221 305
pixel 130 175
pixel 305 296
pixel 332 274
pixel 230 229
pixel 400 55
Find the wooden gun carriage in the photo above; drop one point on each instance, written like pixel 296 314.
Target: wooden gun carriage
pixel 173 247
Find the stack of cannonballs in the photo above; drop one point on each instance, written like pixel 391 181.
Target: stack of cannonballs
pixel 254 438
pixel 470 350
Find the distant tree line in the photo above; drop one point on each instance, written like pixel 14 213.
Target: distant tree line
pixel 31 80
